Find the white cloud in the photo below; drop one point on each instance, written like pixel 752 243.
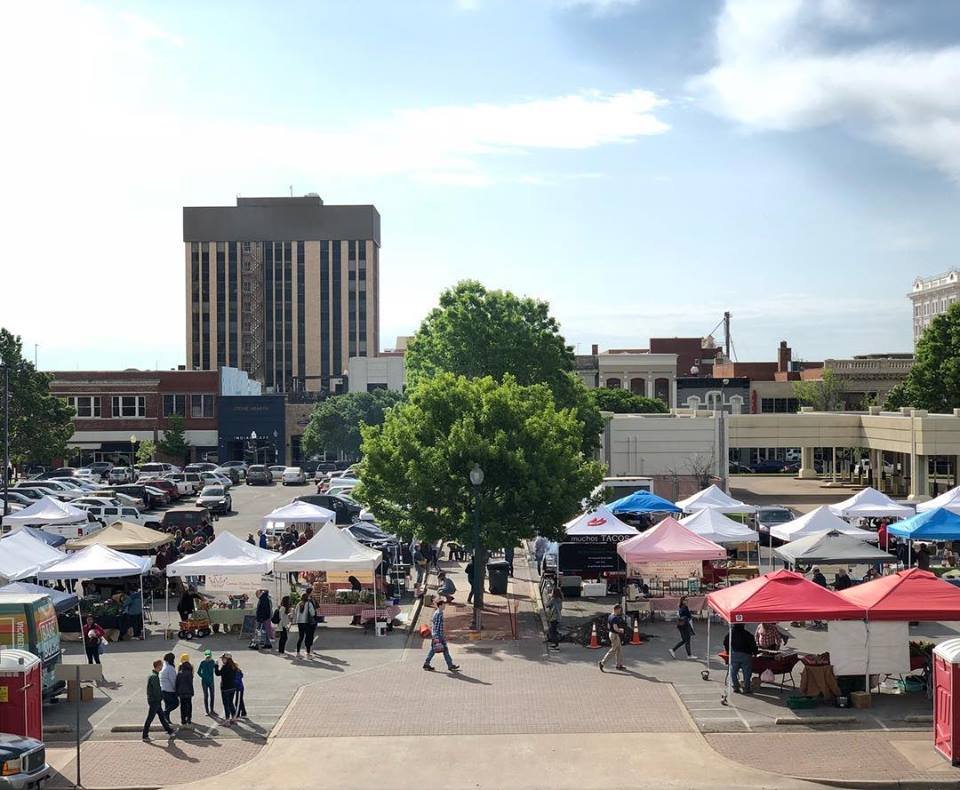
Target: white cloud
pixel 776 71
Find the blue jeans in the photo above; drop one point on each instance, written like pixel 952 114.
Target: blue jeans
pixel 434 651
pixel 228 696
pixel 741 663
pixel 208 698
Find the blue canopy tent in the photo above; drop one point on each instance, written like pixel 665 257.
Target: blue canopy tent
pixel 938 524
pixel 643 502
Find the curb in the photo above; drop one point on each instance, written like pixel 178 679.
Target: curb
pixel 894 784
pixel 806 722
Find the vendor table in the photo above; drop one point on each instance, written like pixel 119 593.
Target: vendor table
pixel 340 609
pixel 593 590
pixel 780 664
pixel 671 604
pixel 228 617
pixel 389 614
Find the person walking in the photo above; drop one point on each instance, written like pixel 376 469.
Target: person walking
pixel 92 634
pixel 685 627
pixel 508 553
pixel 283 618
pixel 155 703
pixel 420 562
pixel 184 684
pixel 306 623
pixel 438 640
pixel 470 580
pixel 207 671
pixel 168 685
pixel 616 627
pixel 227 672
pixel 741 649
pixel 554 609
pixel 264 613
pixel 241 708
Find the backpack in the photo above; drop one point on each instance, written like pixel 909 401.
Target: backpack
pixel 276 616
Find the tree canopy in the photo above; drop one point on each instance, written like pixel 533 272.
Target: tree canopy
pixel 621 401
pixel 475 332
pixel 41 424
pixel 824 394
pixel 146 450
pixel 934 380
pixel 416 466
pixel 335 423
pixel 174 443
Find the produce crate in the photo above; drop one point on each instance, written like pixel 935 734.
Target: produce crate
pixel 795 702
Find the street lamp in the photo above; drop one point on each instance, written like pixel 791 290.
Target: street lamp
pixel 6 437
pixel 476 480
pixel 133 449
pixel 253 445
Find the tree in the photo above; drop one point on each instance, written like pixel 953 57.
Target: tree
pixel 475 332
pixel 416 466
pixel 934 380
pixel 41 424
pixel 335 422
pixel 824 394
pixel 174 443
pixel 621 401
pixel 146 451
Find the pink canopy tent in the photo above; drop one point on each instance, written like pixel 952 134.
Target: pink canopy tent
pixel 669 541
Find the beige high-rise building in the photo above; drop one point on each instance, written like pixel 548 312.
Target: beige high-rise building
pixel 287 289
pixel 931 296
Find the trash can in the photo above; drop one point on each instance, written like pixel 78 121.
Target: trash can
pixel 499 572
pixel 946 699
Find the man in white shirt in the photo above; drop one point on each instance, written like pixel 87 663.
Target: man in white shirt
pixel 168 685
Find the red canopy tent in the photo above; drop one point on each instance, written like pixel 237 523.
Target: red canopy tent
pixel 912 594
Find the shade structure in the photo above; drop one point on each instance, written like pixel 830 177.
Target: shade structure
pixel 123 536
pixel 331 549
pixel 948 501
pixel 715 499
pixel 778 596
pixel 47 511
pixel 297 513
pixel 50 538
pixel 939 524
pixel 226 556
pixel 62 601
pixel 23 556
pixel 870 503
pixel 817 522
pixel 669 541
pixel 598 523
pixel 829 547
pixel 713 525
pixel 911 594
pixel 643 502
pixel 97 562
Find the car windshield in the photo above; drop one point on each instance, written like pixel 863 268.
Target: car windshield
pixel 776 516
pixel 212 491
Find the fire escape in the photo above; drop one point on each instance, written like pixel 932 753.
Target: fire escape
pixel 251 311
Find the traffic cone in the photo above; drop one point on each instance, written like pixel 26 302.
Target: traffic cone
pixel 594 642
pixel 635 637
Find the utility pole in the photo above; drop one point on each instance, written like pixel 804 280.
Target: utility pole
pixel 726 334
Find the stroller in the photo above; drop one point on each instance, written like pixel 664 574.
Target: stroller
pixel 260 640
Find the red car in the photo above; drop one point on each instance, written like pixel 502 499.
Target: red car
pixel 167 486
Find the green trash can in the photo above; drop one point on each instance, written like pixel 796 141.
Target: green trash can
pixel 498 572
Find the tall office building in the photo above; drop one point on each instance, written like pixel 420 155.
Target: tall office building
pixel 287 289
pixel 931 296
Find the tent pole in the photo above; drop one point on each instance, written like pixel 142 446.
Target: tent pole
pixel 866 669
pixel 143 621
pixel 728 686
pixel 166 606
pixel 909 553
pixel 706 658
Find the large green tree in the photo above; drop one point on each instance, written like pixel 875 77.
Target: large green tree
pixel 416 466
pixel 174 443
pixel 41 424
pixel 621 401
pixel 823 394
pixel 934 380
pixel 335 423
pixel 475 332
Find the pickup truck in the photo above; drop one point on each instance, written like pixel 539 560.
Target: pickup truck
pixel 23 763
pixel 107 514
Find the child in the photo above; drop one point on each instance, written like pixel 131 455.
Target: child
pixel 206 672
pixel 241 708
pixel 185 689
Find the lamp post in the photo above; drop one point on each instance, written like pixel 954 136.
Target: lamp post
pixel 724 452
pixel 476 480
pixel 133 449
pixel 6 437
pixel 253 445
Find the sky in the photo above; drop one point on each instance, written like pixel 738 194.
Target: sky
pixel 642 165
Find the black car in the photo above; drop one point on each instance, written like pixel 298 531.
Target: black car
pixel 768 466
pixel 23 761
pixel 141 492
pixel 259 475
pixel 346 511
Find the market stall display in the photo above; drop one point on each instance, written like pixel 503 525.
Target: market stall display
pixel 713 498
pixel 123 536
pixel 23 556
pixel 870 503
pixel 831 547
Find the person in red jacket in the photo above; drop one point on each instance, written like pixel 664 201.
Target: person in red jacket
pixel 92 634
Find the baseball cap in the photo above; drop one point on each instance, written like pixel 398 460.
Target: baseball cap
pixel 227 655
pixel 207 653
pixel 184 658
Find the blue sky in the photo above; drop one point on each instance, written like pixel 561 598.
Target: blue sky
pixel 641 164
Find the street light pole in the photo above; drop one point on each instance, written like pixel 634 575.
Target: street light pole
pixel 6 438
pixel 476 480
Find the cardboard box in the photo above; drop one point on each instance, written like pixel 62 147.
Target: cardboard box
pixel 86 693
pixel 861 699
pixel 755 683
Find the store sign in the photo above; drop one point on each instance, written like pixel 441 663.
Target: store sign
pixel 677 569
pixel 596 538
pixel 235 585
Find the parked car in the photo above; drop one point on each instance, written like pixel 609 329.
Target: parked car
pixel 102 468
pixel 346 510
pixel 293 476
pixel 152 469
pixel 120 474
pixel 88 474
pixel 321 469
pixel 60 490
pixel 123 498
pixel 370 534
pixel 258 474
pixel 200 466
pixel 107 514
pixel 19 498
pixel 768 466
pixel 239 466
pixel 180 517
pixel 63 471
pixel 23 763
pixel 151 497
pixel 98 500
pixel 213 479
pixel 195 483
pixel 168 486
pixel 76 483
pixel 770 516
pixel 229 472
pixel 277 472
pixel 341 486
pixel 216 499
pixel 739 469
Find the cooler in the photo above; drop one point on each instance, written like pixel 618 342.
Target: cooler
pixel 21 694
pixel 946 705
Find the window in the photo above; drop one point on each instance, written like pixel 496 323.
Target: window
pixel 779 405
pixel 85 405
pixel 201 405
pixel 174 404
pixel 129 406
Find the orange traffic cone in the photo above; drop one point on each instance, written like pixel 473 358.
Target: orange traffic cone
pixel 594 642
pixel 635 637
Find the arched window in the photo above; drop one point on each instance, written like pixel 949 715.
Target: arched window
pixel 638 386
pixel 613 384
pixel 661 390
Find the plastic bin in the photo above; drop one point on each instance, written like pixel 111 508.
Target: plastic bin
pixel 498 572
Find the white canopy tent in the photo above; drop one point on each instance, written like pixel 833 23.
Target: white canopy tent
pixel 714 526
pixel 297 513
pixel 599 522
pixel 714 498
pixel 870 503
pixel 226 556
pixel 22 556
pixel 948 501
pixel 47 511
pixel 816 522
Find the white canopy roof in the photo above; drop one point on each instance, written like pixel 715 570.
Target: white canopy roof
pixel 598 522
pixel 713 525
pixel 331 549
pixel 870 503
pixel 949 501
pixel 714 498
pixel 22 556
pixel 47 511
pixel 97 562
pixel 816 521
pixel 226 556
pixel 297 513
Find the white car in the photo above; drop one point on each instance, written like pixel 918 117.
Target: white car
pixel 60 490
pixel 87 474
pixel 277 472
pixel 120 474
pixel 110 513
pixel 213 479
pixel 76 483
pixel 293 475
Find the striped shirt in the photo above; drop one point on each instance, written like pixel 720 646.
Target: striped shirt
pixel 436 625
